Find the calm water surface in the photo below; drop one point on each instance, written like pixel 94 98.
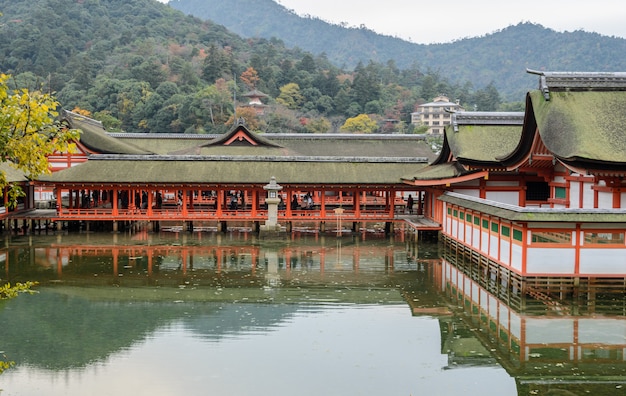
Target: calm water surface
pixel 231 314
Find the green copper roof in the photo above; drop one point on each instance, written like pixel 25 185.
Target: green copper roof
pixel 582 125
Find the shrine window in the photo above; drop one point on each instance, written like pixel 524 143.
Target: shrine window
pixel 537 191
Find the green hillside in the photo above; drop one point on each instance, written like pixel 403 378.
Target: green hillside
pixel 142 66
pixel 501 57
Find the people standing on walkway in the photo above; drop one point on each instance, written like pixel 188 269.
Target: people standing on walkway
pixel 409 204
pixel 294 202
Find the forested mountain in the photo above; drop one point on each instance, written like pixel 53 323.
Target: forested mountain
pixel 500 57
pixel 142 66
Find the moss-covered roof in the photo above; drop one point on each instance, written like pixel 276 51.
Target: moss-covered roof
pixel 372 145
pixel 12 175
pixel 94 137
pixel 587 126
pixel 447 170
pixel 481 138
pixel 163 143
pixel 237 169
pixel 483 143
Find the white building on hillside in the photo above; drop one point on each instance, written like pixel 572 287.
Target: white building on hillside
pixel 435 114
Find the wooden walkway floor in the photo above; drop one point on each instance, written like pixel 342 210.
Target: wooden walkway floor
pixel 420 223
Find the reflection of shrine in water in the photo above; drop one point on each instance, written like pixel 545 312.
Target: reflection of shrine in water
pixel 214 259
pixel 576 345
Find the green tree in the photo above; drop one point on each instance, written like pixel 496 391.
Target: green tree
pixel 487 99
pixel 318 125
pixel 360 124
pixel 109 122
pixel 290 96
pixel 366 85
pixel 29 133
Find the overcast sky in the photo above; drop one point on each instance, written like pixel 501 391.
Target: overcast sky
pixel 424 21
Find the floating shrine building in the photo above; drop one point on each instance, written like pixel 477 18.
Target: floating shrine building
pixel 532 196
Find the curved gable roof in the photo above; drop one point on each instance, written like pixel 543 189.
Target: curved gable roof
pixel 481 138
pixel 472 141
pixel 95 138
pixel 241 136
pixel 583 126
pixel 12 174
pixel 581 117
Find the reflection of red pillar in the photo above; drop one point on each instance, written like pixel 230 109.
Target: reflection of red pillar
pixel 322 261
pixel 356 257
pixel 59 263
pixel 253 257
pixel 150 256
pixel 218 259
pixel 184 261
pixel 115 252
pixel 390 258
pixel 288 259
pixel 576 352
pixel 523 350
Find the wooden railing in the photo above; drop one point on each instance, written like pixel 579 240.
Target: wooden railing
pixel 207 214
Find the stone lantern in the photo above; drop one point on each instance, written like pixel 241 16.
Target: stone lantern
pixel 272 201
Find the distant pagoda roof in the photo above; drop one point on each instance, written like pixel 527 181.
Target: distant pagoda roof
pixel 254 94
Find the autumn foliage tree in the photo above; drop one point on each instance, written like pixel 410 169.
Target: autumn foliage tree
pixel 360 124
pixel 250 117
pixel 250 77
pixel 28 133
